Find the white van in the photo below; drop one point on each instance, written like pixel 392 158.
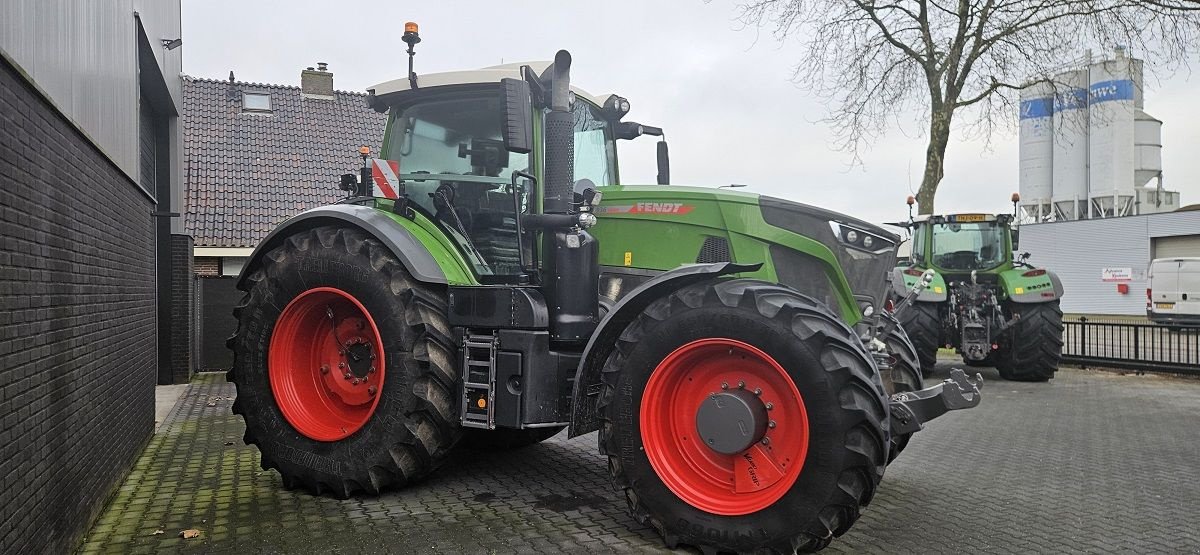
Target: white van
pixel 1173 292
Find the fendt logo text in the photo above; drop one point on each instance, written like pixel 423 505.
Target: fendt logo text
pixel 648 208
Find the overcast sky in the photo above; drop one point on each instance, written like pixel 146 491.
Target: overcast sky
pixel 722 92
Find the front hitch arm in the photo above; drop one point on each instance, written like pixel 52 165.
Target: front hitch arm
pixel 912 409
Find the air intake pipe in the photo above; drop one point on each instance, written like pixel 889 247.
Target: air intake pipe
pixel 560 139
pixel 571 273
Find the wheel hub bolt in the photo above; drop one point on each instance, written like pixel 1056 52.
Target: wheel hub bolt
pixel 372 356
pixel 371 390
pixel 741 384
pixel 758 391
pixel 348 375
pixel 342 351
pixel 341 365
pixel 770 406
pixel 724 385
pixel 371 371
pixel 766 441
pixel 771 424
pixel 354 381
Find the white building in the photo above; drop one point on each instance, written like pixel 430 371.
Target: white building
pixel 1102 262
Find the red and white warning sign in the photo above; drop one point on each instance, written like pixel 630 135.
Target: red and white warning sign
pixel 385 178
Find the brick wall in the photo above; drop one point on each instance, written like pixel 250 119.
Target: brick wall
pixel 183 296
pixel 208 266
pixel 77 317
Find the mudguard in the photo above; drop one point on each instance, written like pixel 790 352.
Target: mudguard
pixel 902 283
pixel 407 247
pixel 586 389
pixel 1024 289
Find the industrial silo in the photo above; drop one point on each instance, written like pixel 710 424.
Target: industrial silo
pixel 1070 145
pixel 1037 150
pixel 1147 148
pixel 1115 95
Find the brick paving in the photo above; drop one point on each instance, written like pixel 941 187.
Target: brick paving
pixel 1094 462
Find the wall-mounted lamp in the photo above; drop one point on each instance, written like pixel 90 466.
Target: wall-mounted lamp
pixel 172 44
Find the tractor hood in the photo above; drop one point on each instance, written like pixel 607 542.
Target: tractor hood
pixel 838 259
pixel 865 251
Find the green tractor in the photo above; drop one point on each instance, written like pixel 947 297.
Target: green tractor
pixel 989 306
pixel 473 290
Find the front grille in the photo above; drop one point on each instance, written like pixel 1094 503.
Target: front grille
pixel 866 272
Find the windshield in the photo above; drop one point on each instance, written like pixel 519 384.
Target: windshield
pixel 455 169
pixel 968 246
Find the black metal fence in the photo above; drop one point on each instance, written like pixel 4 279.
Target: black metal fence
pixel 1132 345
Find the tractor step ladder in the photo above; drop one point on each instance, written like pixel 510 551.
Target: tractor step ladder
pixel 479 381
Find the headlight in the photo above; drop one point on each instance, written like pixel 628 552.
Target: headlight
pixel 852 236
pixel 587 219
pixel 868 241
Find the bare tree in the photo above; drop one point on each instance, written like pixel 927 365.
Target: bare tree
pixel 959 64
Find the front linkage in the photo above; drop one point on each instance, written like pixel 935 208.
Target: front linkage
pixel 911 410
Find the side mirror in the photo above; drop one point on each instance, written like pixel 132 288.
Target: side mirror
pixel 1016 239
pixel 664 164
pixel 518 121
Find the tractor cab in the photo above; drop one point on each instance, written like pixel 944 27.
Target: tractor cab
pixel 962 243
pixel 445 142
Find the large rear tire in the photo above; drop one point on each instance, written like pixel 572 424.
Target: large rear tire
pixel 782 354
pixel 1031 350
pixel 504 439
pixel 923 324
pixel 337 419
pixel 906 374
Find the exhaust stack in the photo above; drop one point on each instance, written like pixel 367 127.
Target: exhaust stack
pixel 560 138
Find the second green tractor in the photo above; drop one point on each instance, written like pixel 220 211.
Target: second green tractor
pixel 991 307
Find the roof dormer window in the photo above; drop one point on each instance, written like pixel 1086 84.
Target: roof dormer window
pixel 256 102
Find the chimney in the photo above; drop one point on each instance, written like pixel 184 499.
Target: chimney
pixel 317 83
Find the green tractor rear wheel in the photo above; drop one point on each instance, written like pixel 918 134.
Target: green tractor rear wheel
pixel 1031 350
pixel 922 323
pixel 344 366
pixel 712 403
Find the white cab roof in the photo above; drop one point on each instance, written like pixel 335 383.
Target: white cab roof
pixel 492 74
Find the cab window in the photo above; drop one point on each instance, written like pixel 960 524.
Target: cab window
pixel 595 153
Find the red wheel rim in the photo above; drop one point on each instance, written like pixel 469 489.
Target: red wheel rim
pixel 326 364
pixel 736 484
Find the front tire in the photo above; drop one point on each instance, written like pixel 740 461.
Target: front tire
pixel 333 418
pixel 1032 348
pixel 922 323
pixel 772 350
pixel 906 374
